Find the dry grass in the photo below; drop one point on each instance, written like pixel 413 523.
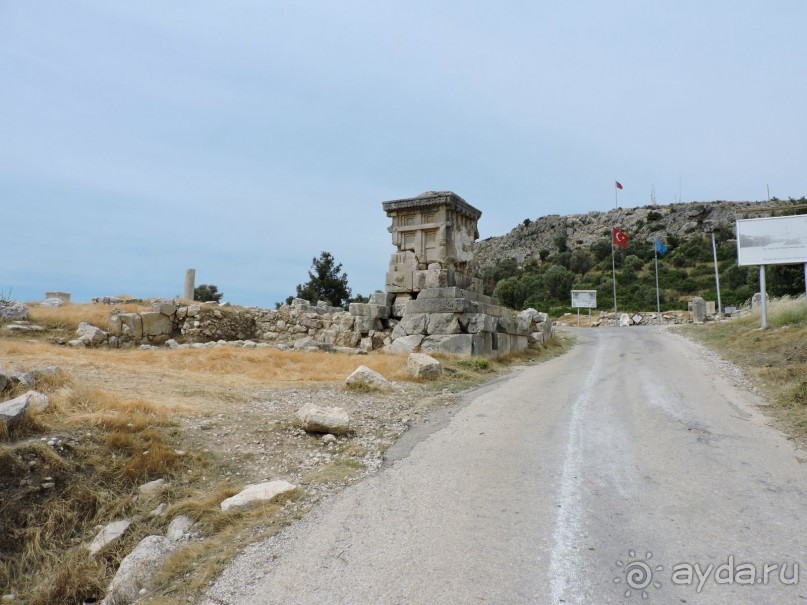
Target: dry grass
pixel 775 358
pixel 68 316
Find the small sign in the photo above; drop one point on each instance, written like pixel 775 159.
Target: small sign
pixel 584 299
pixel 730 311
pixel 637 319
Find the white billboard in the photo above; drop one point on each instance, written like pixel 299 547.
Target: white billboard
pixel 780 240
pixel 584 299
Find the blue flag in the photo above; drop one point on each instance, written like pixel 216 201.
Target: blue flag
pixel 660 247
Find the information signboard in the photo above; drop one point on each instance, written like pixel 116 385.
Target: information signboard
pixel 584 299
pixel 780 240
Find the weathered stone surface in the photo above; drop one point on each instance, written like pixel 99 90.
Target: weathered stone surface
pixel 316 419
pixel 414 323
pixel 365 378
pixel 420 365
pixel 441 305
pixel 152 489
pixel 164 308
pixel 90 335
pixel 138 569
pixel 36 400
pixel 11 311
pixel 404 344
pixel 155 324
pixel 443 323
pixel 369 310
pixel 698 310
pixel 384 299
pixel 399 305
pixel 12 411
pixel 131 325
pixel 110 534
pixel 178 528
pixel 455 344
pixel 259 492
pixel 474 323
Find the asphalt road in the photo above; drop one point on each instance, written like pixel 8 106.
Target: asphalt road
pixel 625 468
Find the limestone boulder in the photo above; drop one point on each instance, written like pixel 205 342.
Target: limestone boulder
pixel 12 412
pixel 138 570
pixel 13 311
pixel 425 367
pixel 91 335
pixel 259 492
pixel 443 323
pixel 110 534
pixel 155 324
pixel 179 528
pixel 152 490
pixel 404 344
pixel 367 379
pixel 316 419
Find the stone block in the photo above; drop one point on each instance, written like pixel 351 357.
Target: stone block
pixel 404 344
pixel 414 323
pixel 369 310
pixel 436 278
pixel 165 308
pixel 441 305
pixel 518 343
pixel 385 299
pixel 399 305
pixel 425 367
pixel 347 339
pixel 155 324
pixel 443 323
pixel 473 323
pixel 453 344
pixel 364 325
pixel 114 325
pixel 482 344
pixel 344 323
pixel 502 344
pixel 399 281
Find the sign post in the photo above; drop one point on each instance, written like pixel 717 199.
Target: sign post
pixel 584 299
pixel 780 240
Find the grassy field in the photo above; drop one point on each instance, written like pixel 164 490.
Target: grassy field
pixel 776 358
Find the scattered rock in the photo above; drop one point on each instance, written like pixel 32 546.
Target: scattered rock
pixel 159 511
pixel 12 412
pixel 315 419
pixel 152 489
pixel 90 335
pixel 178 528
pixel 36 400
pixel 137 570
pixel 420 365
pixel 10 311
pixel 259 492
pixel 365 378
pixel 328 438
pixel 51 303
pixel 111 533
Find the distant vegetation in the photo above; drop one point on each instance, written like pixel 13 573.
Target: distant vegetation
pixel 207 293
pixel 326 282
pixel 544 281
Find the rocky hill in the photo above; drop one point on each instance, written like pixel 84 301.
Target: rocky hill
pixel 644 224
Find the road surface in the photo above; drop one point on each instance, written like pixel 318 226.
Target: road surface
pixel 633 469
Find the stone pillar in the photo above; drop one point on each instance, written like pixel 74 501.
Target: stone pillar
pixel 698 310
pixel 190 283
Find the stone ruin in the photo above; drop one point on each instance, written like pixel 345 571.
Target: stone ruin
pixel 433 301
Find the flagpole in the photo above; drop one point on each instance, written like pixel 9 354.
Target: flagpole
pixel 613 270
pixel 613 262
pixel 658 303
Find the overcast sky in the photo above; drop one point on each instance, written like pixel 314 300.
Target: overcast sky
pixel 241 138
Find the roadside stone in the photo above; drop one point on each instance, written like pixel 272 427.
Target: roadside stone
pixel 420 365
pixel 90 335
pixel 315 419
pixel 365 378
pixel 111 533
pixel 259 492
pixel 137 570
pixel 178 528
pixel 12 412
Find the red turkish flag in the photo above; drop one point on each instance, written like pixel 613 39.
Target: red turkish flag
pixel 618 185
pixel 620 238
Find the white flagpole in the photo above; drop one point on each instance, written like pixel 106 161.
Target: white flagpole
pixel 658 303
pixel 613 262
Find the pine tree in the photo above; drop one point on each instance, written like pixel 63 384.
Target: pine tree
pixel 326 282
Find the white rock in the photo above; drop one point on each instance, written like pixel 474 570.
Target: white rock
pixel 317 419
pixel 152 489
pixel 365 378
pixel 90 335
pixel 404 344
pixel 259 492
pixel 12 411
pixel 138 569
pixel 159 511
pixel 178 527
pixel 108 535
pixel 328 438
pixel 420 365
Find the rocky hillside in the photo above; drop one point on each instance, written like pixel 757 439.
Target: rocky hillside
pixel 643 224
